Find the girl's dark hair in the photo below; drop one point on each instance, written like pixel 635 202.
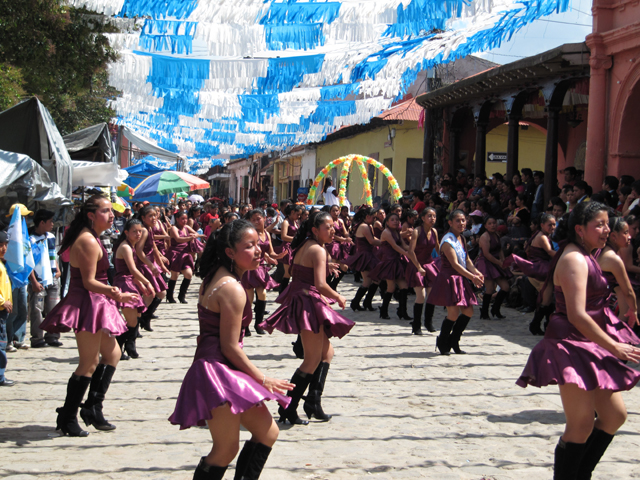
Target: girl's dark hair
pixel 144 211
pixel 292 208
pixel 81 221
pixel 123 235
pixel 384 224
pixel 179 213
pixel 326 208
pixel 523 198
pixel 544 218
pixel 251 213
pixel 582 214
pixel 328 182
pixel 344 207
pixel 454 214
pixel 228 215
pixel 409 214
pixel 315 220
pixel 214 255
pixel 483 229
pixel 360 216
pixel 271 212
pixel 616 223
pixel 423 213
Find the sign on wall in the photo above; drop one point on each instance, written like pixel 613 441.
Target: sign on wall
pixel 497 157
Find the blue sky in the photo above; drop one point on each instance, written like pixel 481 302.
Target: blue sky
pixel 545 34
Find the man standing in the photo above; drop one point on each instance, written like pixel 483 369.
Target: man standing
pixel 44 289
pixel 538 199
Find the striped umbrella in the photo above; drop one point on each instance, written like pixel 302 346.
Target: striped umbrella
pixel 124 190
pixel 164 183
pixel 120 204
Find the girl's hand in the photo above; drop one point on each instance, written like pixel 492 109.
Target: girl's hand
pixel 129 297
pixel 280 255
pixel 627 353
pixel 276 385
pixel 270 260
pixel 154 270
pixel 632 318
pixel 115 294
pixel 334 269
pixel 422 271
pixel 341 301
pixel 478 281
pixel 164 259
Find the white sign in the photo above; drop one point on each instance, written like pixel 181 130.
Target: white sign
pixel 496 157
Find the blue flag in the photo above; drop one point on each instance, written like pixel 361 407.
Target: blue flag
pixel 19 258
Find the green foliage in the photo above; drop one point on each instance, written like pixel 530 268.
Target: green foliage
pixel 62 56
pixel 10 86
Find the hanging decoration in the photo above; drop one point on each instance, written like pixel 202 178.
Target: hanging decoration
pixel 234 77
pixel 346 163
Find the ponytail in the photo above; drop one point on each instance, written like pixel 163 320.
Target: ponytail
pixel 215 256
pixel 305 231
pixel 81 221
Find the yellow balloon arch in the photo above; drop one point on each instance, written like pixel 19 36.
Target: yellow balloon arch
pixel 346 163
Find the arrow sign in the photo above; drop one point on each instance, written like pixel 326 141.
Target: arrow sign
pixel 497 157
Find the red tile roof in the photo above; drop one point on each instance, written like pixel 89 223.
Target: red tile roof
pixel 407 110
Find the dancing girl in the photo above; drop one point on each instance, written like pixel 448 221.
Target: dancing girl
pixel 90 310
pixel 364 259
pixel 340 246
pixel 180 256
pixel 577 354
pixel 452 288
pixel 287 232
pixel 223 388
pixel 490 263
pixel 305 310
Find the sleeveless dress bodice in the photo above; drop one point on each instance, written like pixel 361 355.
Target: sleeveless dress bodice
pixel 424 247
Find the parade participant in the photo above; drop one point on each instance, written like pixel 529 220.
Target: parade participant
pixel 408 221
pixel 346 218
pixel 130 280
pixel 576 353
pixel 422 270
pixel 180 258
pixel 289 228
pixel 364 259
pixel 160 236
pixel 89 309
pixel 259 280
pixel 340 246
pixel 391 266
pixel 223 388
pixel 453 286
pixel 5 309
pixel 490 264
pixel 305 310
pixel 150 263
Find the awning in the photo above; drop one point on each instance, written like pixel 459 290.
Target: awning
pixel 147 145
pixel 91 144
pixel 219 176
pixel 90 174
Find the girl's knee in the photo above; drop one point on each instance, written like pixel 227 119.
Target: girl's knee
pixel 161 295
pixel 225 453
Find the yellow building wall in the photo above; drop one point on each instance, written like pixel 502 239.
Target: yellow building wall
pixel 532 148
pixel 408 143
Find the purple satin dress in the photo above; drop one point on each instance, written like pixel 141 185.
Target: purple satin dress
pixel 212 380
pixel 260 278
pixel 339 251
pixel 364 260
pixel 84 311
pixel 179 254
pixel 564 355
pixel 286 246
pixel 424 249
pixel 377 232
pixel 157 282
pixel 537 266
pixel 391 266
pixel 160 243
pixel 124 281
pixel 490 270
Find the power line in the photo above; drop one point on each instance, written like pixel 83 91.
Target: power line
pixel 565 23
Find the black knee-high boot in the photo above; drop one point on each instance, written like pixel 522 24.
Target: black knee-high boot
pixel 416 327
pixel 298 349
pixel 251 461
pixel 355 303
pixel 443 341
pixel 486 303
pixel 184 286
pixel 383 289
pixel 495 308
pixel 91 411
pixel 597 444
pixel 456 333
pixel 402 308
pixel 283 284
pixel 171 287
pixel 122 339
pixel 301 381
pixel 371 292
pixel 208 472
pixel 312 403
pixel 534 326
pixel 357 277
pixel 567 459
pixel 259 309
pixel 547 314
pixel 384 309
pixel 67 421
pixel 145 318
pixel 428 317
pixel 336 280
pixel 130 342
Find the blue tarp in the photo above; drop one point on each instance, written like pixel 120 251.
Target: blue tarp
pixel 137 173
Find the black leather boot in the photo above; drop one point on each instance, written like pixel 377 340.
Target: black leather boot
pixel 67 421
pixel 130 342
pixel 428 317
pixel 534 326
pixel 208 472
pixel 91 411
pixel 548 311
pixel 283 284
pixel 597 444
pixel 497 303
pixel 259 309
pixel 336 280
pixel 145 318
pixel 298 349
pixel 312 403
pixel 371 292
pixel 456 333
pixel 171 287
pixel 355 303
pixel 122 339
pixel 486 303
pixel 402 308
pixel 567 459
pixel 301 381
pixel 384 309
pixel 357 277
pixel 251 461
pixel 416 327
pixel 184 286
pixel 443 341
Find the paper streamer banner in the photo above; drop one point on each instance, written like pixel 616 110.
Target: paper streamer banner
pixel 346 163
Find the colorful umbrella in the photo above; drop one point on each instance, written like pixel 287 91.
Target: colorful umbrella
pixel 195 198
pixel 182 195
pixel 164 183
pixel 120 204
pixel 124 190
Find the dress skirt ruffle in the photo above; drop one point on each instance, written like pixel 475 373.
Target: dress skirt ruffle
pixel 415 279
pixel 158 283
pixel 490 270
pixel 126 285
pixel 258 278
pixel 451 289
pixel 362 261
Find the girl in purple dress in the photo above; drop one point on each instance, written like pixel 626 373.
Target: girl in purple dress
pixel 288 230
pixel 453 285
pixel 150 263
pixel 364 259
pixel 490 263
pixel 305 310
pixel 160 235
pixel 341 245
pixel 180 256
pixel 259 280
pixel 130 280
pixel 391 266
pixel 577 354
pixel 90 310
pixel 422 271
pixel 223 388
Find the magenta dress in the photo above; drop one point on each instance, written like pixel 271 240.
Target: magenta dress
pixel 179 254
pixel 158 283
pixel 124 281
pixel 391 266
pixel 450 288
pixel 212 380
pixel 260 278
pixel 84 311
pixel 424 250
pixel 536 267
pixel 286 246
pixel 364 259
pixel 162 246
pixel 564 355
pixel 339 251
pixel 303 308
pixel 489 269
pixel 377 232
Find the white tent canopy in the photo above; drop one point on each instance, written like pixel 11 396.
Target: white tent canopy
pixel 90 174
pixel 148 146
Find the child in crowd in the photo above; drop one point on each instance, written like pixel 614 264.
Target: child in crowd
pixel 5 309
